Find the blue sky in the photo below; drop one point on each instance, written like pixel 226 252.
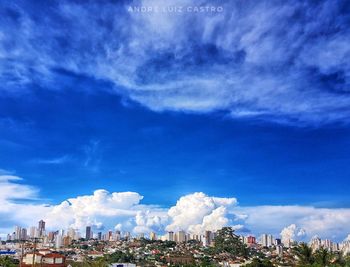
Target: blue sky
pixel 251 102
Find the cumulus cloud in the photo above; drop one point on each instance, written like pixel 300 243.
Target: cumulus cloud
pixel 198 212
pixel 290 232
pixel 193 213
pixel 147 221
pixel 281 61
pixel 325 222
pixel 100 208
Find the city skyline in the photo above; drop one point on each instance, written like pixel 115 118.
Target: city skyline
pixel 58 238
pixel 146 116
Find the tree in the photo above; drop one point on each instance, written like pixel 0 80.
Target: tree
pixel 7 262
pixel 256 262
pixel 119 256
pixel 323 257
pixel 304 255
pixel 206 262
pixel 227 242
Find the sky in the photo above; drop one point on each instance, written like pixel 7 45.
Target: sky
pixel 176 119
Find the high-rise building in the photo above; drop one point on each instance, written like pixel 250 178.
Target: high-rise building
pixel 277 241
pixel 24 234
pixel 181 236
pixel 251 240
pixel 127 236
pixel 110 235
pixel 72 234
pixel 67 240
pixel 279 250
pixel 88 233
pixel 141 236
pixel 270 241
pixel 153 236
pixel 58 241
pixel 170 236
pixel 33 232
pixel 207 238
pixel 51 236
pixel 41 228
pixel 315 243
pixel 18 232
pixel 266 240
pixel 345 247
pixel 99 235
pixel 335 246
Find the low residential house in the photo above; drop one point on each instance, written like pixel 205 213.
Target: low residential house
pixel 179 259
pixel 95 254
pixel 41 260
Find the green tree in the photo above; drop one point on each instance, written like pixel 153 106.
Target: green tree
pixel 6 261
pixel 256 262
pixel 206 262
pixel 322 257
pixel 119 256
pixel 227 242
pixel 304 255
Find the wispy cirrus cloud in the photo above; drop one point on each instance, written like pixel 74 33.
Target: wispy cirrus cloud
pixel 280 61
pixel 58 160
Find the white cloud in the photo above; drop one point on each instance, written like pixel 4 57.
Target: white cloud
pixel 260 60
pixel 100 207
pixel 11 189
pixel 11 210
pixel 193 213
pixel 325 222
pixel 347 238
pixel 290 232
pixel 198 212
pixel 58 160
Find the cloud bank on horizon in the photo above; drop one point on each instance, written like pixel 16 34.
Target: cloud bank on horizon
pixel 282 61
pixel 193 213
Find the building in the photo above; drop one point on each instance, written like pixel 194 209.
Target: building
pixel 58 241
pixel 88 233
pixel 41 228
pixel 18 232
pixel 278 241
pixel 251 240
pixel 51 236
pixel 345 246
pixel 127 236
pixel 109 236
pixel 72 234
pixel 327 244
pixel 266 240
pixel 123 265
pixel 180 259
pixel 117 235
pixel 208 237
pixel 153 236
pixel 33 232
pixel 67 240
pixel 181 236
pixel 315 243
pixel 43 260
pixel 170 236
pixel 95 254
pixel 279 250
